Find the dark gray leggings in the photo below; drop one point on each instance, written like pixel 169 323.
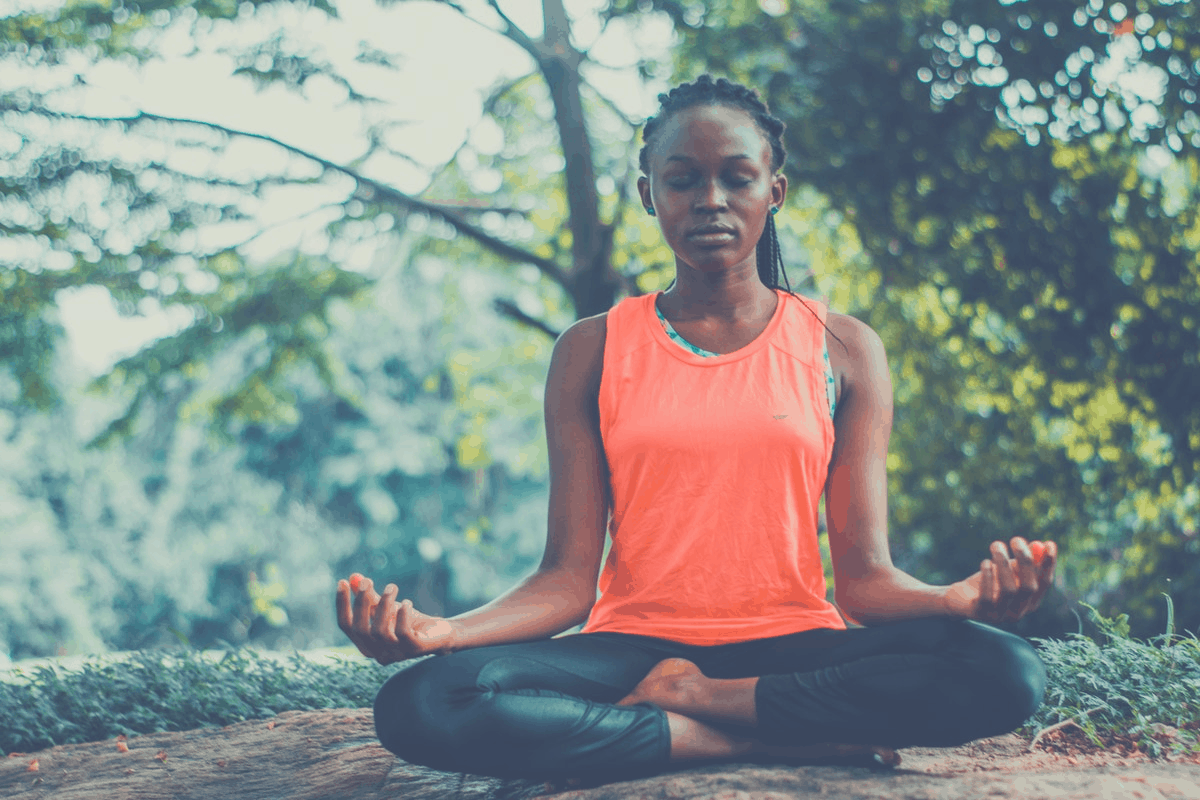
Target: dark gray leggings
pixel 544 709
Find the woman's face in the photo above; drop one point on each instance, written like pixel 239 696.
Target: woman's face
pixel 711 186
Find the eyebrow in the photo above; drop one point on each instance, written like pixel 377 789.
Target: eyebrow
pixel 727 158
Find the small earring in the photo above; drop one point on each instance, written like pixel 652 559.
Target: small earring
pixel 650 210
pixel 774 210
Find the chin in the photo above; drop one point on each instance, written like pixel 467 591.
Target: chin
pixel 716 260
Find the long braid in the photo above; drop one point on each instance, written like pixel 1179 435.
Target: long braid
pixel 722 91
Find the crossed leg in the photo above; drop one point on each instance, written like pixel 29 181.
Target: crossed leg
pixel 608 705
pixel 696 706
pixel 691 700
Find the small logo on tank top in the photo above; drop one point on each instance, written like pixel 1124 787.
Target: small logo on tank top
pixel 779 416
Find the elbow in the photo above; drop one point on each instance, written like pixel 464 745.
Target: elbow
pixel 574 592
pixel 862 594
pixel 844 599
pixel 844 607
pixel 850 620
pixel 583 606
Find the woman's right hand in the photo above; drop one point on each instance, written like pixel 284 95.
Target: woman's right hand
pixel 385 630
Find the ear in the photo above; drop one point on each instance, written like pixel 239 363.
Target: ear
pixel 644 191
pixel 779 187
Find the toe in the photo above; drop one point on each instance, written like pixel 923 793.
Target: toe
pixel 886 756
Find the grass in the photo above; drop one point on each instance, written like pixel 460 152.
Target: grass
pixel 171 690
pixel 1119 686
pixel 1123 685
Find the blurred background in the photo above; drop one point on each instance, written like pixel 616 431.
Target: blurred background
pixel 279 283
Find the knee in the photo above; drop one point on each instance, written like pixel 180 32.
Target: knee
pixel 1029 679
pixel 406 716
pixel 1012 671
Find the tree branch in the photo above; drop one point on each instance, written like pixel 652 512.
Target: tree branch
pixel 489 106
pixel 470 230
pixel 501 89
pixel 264 230
pixel 515 34
pixel 510 32
pixel 508 309
pixel 498 246
pixel 609 103
pixel 476 207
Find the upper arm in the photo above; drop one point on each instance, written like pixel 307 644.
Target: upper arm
pixel 579 479
pixel 856 487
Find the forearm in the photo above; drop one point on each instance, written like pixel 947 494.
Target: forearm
pixel 540 606
pixel 890 596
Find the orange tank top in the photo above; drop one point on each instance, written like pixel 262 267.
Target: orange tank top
pixel 717 465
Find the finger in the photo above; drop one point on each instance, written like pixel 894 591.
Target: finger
pixel 354 616
pixel 987 589
pixel 1027 568
pixel 1046 574
pixel 1004 572
pixel 1027 574
pixel 346 619
pixel 1005 580
pixel 384 626
pixel 383 636
pixel 364 606
pixel 404 621
pixel 1039 551
pixel 344 616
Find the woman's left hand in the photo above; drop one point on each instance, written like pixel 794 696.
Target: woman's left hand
pixel 1005 589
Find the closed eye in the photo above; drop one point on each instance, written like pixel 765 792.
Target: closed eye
pixel 686 181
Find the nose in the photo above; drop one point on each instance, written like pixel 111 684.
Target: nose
pixel 710 197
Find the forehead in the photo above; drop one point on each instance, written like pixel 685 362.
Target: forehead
pixel 710 133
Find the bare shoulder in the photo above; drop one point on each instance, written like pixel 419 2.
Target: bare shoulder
pixel 579 355
pixel 856 334
pixel 860 357
pixel 589 329
pixel 584 338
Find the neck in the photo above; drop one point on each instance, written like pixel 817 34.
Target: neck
pixel 732 295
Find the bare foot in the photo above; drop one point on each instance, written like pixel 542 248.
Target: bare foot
pixel 678 685
pixel 672 685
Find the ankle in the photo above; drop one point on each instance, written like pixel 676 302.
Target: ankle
pixel 692 739
pixel 692 692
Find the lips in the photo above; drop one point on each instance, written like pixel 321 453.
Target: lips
pixel 711 235
pixel 704 230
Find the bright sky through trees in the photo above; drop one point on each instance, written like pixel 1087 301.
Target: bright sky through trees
pixel 446 63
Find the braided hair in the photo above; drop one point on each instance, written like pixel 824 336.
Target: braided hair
pixel 705 91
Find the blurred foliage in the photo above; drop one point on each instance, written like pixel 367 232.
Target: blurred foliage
pixel 174 532
pixel 1022 180
pixel 324 412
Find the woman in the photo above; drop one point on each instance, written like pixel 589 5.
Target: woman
pixel 707 419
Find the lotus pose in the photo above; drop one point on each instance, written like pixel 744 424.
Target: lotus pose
pixel 698 427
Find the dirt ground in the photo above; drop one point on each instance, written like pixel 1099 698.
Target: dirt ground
pixel 323 755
